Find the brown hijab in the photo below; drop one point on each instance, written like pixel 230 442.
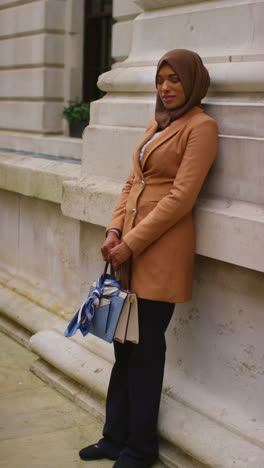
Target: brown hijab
pixel 194 78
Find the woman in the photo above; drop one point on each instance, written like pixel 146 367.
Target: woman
pixel 152 228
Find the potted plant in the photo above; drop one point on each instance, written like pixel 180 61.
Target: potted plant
pixel 77 113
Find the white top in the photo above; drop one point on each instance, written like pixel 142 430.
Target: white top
pixel 146 144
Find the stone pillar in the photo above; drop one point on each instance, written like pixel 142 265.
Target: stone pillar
pixel 212 406
pixel 40 56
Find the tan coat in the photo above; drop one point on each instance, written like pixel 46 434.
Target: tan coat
pixel 154 211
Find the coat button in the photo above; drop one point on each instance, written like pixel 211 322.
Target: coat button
pixel 133 212
pixel 142 183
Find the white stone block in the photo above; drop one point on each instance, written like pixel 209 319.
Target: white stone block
pixel 121 39
pixel 34 16
pixel 123 10
pixel 34 50
pixel 238 171
pixel 32 83
pixel 113 147
pixel 210 28
pixel 42 117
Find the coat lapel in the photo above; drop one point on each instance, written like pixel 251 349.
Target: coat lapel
pixel 167 133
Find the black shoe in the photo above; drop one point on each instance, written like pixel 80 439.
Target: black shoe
pixel 93 452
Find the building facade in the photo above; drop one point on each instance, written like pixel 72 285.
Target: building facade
pixel 57 194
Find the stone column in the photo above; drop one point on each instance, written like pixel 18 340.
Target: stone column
pixel 212 406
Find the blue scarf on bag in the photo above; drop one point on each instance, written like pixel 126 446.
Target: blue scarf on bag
pixel 107 285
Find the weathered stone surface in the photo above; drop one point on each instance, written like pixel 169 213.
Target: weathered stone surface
pixel 45 427
pixel 35 177
pixel 120 49
pixel 236 232
pixel 30 116
pixel 40 49
pixel 90 199
pixel 35 83
pixel 209 28
pixel 33 16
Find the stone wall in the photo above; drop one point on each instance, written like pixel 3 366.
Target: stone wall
pixel 40 62
pixel 55 213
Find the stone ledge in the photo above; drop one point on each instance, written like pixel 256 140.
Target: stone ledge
pixel 90 199
pixel 35 177
pixel 12 329
pixel 24 312
pixel 236 228
pixel 59 146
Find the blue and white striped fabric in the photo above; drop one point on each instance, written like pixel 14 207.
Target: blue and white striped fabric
pixel 107 286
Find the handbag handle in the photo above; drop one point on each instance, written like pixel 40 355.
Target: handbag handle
pixel 126 275
pixel 106 268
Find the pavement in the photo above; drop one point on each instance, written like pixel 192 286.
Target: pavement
pixel 39 427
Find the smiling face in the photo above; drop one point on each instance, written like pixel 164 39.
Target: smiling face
pixel 169 87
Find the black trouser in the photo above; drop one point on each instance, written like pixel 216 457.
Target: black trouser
pixel 134 391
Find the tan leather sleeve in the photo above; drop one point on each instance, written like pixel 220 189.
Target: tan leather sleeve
pixel 198 157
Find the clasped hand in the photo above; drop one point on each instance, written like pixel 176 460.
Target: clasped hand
pixel 115 251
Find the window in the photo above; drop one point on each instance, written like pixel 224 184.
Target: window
pixel 97 45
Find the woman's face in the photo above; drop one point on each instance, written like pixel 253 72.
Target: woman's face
pixel 170 88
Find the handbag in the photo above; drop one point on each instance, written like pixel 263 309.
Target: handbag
pixel 108 312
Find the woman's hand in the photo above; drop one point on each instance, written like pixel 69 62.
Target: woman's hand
pixel 119 255
pixel 110 242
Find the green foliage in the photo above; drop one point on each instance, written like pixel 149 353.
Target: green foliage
pixel 77 110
